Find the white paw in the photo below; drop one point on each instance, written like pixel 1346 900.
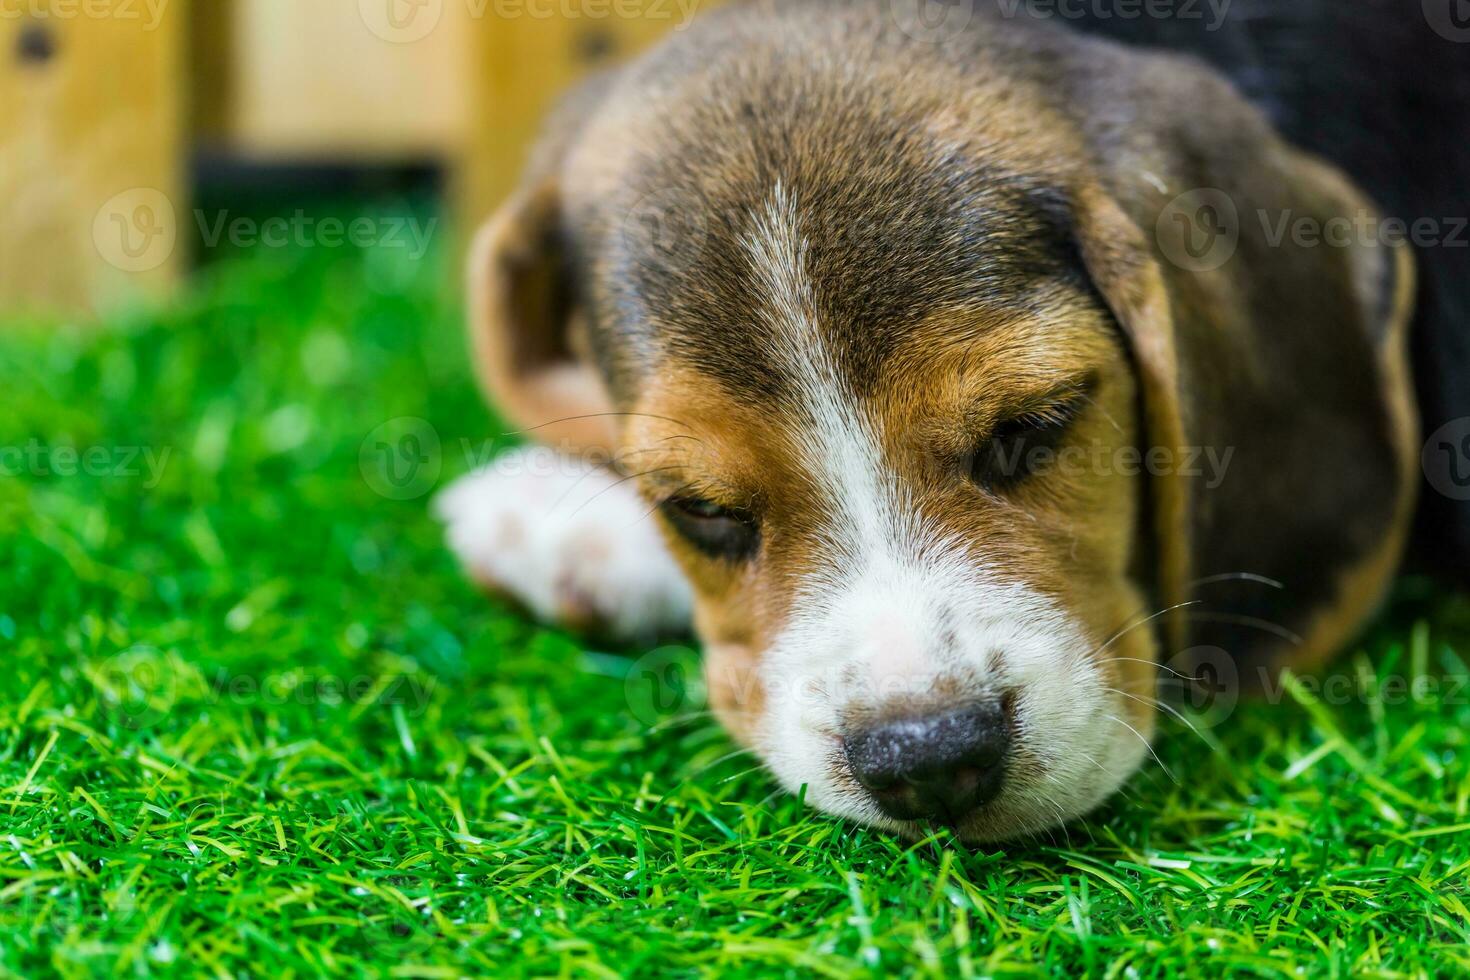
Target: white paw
pixel 569 541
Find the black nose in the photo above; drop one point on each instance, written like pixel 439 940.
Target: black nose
pixel 940 767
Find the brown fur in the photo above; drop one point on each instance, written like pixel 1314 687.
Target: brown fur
pixel 981 217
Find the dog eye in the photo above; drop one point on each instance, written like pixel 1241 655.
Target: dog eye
pixel 720 532
pixel 1021 447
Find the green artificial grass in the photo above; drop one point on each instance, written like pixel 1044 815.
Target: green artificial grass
pixel 252 720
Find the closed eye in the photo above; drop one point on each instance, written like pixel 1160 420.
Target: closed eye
pixel 1021 446
pixel 726 533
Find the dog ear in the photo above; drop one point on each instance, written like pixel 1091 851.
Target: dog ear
pixel 1122 267
pixel 1266 315
pixel 525 326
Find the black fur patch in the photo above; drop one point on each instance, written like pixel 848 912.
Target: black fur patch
pixel 1371 86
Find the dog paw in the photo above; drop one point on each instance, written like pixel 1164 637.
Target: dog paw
pixel 569 541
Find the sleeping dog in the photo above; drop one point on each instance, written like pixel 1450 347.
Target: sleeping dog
pixel 955 371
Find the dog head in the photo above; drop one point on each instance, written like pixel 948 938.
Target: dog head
pixel 889 334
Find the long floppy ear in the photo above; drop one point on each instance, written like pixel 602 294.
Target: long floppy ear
pixel 1122 267
pixel 1267 328
pixel 525 326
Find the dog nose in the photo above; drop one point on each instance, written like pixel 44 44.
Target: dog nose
pixel 939 767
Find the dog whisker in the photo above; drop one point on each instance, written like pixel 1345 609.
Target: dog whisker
pixel 1147 619
pixel 1161 706
pixel 654 509
pixel 1061 823
pixel 722 759
pixel 684 436
pixel 595 415
pixel 677 720
pixel 617 483
pixel 1150 663
pixel 1237 577
pixel 590 471
pixel 1281 632
pixel 1105 413
pixel 1145 745
pixel 742 773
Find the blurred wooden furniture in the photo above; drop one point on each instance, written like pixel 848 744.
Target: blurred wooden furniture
pixel 521 64
pixel 102 101
pixel 305 80
pixel 463 82
pixel 91 152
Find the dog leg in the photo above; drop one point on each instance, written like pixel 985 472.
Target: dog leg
pixel 570 541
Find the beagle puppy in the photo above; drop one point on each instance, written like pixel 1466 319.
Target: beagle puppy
pixel 948 369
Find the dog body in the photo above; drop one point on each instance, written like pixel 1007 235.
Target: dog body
pixel 955 419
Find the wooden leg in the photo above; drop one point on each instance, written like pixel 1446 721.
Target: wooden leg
pixel 525 53
pixel 91 195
